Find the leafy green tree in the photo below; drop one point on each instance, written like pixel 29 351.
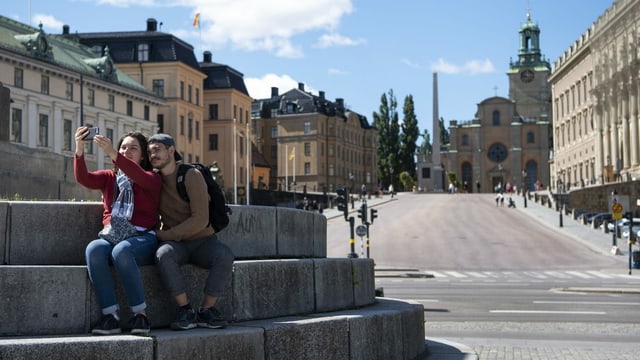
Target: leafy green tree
pixel 407 181
pixel 444 133
pixel 409 137
pixel 387 124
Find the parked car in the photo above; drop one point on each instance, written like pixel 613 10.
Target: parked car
pixel 622 222
pixel 599 218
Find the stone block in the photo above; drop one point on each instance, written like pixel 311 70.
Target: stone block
pixel 43 300
pixel 303 338
pixel 51 233
pixel 364 282
pixel 334 285
pixel 295 233
pixel 319 236
pixel 234 342
pixel 114 347
pixel 272 288
pixel 252 232
pixel 4 225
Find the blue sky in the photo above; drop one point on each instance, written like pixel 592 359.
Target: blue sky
pixel 351 49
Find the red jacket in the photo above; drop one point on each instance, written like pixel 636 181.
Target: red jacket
pixel 146 189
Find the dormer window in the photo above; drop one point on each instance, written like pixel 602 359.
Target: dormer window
pixel 103 65
pixel 35 43
pixel 143 52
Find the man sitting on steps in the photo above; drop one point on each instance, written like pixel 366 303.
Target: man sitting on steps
pixel 186 237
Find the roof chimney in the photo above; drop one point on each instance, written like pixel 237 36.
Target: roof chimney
pixel 152 24
pixel 65 29
pixel 301 86
pixel 321 94
pixel 207 57
pixel 340 102
pixel 274 91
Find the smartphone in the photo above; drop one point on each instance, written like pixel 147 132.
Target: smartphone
pixel 92 133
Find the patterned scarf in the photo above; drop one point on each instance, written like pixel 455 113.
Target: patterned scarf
pixel 123 206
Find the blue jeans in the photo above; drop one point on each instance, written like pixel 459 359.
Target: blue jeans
pixel 126 256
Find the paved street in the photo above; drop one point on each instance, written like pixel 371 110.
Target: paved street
pixel 502 283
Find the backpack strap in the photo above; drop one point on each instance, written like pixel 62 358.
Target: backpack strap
pixel 182 190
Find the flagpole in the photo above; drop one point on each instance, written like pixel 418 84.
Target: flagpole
pixel 286 167
pixel 248 154
pixel 235 164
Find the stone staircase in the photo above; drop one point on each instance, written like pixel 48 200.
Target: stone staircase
pixel 286 299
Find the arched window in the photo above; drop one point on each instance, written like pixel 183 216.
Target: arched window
pixel 531 137
pixel 465 140
pixel 496 118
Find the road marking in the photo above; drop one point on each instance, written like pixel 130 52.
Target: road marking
pixel 588 302
pixel 557 274
pixel 477 274
pixel 579 274
pixel 599 274
pixel 455 274
pixel 547 312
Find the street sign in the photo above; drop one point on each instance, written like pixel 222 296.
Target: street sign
pixel 617 211
pixel 361 230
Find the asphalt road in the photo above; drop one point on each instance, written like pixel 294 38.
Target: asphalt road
pixel 499 280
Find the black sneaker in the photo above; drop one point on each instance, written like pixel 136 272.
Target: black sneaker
pixel 107 325
pixel 211 318
pixel 139 325
pixel 185 320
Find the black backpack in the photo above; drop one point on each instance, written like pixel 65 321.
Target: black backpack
pixel 218 210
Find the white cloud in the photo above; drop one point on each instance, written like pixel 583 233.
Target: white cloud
pixel 254 25
pixel 48 22
pixel 334 71
pixel 331 40
pixel 410 63
pixel 260 88
pixel 471 67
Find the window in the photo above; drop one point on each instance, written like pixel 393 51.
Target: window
pixel 18 78
pixel 332 170
pixel 235 111
pixel 197 96
pixel 332 149
pixel 307 128
pixel 307 168
pixel 496 118
pixel 112 103
pixel 109 133
pixel 44 84
pixel 213 111
pixel 497 153
pixel 307 149
pixel 43 130
pixel 213 142
pixel 158 87
pixel 274 151
pixel 426 173
pixel 531 138
pixel 160 123
pixel 146 112
pixel 129 108
pixel 16 125
pixel 181 124
pixel 190 123
pixel 92 97
pixel 189 90
pixel 182 90
pixel 197 130
pixel 465 140
pixel 68 135
pixel 69 91
pixel 274 132
pixel 143 52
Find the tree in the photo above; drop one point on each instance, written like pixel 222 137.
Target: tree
pixel 407 181
pixel 387 124
pixel 444 133
pixel 409 137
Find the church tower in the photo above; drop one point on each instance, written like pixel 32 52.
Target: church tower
pixel 528 75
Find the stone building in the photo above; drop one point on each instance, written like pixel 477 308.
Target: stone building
pixel 508 142
pixel 54 84
pixel 595 102
pixel 208 105
pixel 315 144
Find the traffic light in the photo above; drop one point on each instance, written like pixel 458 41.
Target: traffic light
pixel 374 214
pixel 362 213
pixel 342 201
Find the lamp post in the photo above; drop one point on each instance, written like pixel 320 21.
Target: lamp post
pixel 524 187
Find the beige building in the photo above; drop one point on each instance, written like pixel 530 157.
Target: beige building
pixel 508 142
pixel 595 92
pixel 56 85
pixel 207 104
pixel 314 144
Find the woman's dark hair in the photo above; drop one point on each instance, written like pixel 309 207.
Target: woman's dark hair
pixel 144 163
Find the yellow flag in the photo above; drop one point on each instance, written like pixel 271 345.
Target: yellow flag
pixel 292 155
pixel 196 21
